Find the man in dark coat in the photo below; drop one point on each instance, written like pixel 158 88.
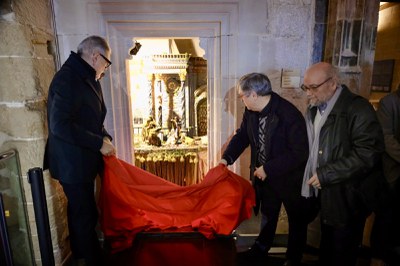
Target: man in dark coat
pixel 77 140
pixel 385 235
pixel 343 169
pixel 276 132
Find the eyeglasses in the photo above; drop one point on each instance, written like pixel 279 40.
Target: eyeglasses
pixel 106 59
pixel 314 87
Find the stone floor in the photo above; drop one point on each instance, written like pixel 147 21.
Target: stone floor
pixel 227 253
pixel 231 257
pixel 175 250
pixel 276 256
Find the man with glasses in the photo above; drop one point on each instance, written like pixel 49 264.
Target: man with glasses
pixel 276 132
pixel 343 169
pixel 77 141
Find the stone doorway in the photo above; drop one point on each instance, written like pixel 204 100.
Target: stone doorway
pixel 212 24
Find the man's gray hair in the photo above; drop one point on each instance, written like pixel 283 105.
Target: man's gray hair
pixel 256 82
pixel 93 44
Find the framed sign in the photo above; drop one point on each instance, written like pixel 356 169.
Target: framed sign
pixel 382 76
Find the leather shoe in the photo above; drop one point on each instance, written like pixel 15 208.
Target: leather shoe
pixel 254 254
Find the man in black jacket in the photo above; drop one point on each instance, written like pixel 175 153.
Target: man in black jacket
pixel 77 140
pixel 276 132
pixel 343 168
pixel 385 235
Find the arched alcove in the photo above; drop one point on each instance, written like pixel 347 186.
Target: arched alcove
pixel 212 24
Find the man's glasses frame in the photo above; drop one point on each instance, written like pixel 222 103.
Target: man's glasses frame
pixel 106 59
pixel 314 87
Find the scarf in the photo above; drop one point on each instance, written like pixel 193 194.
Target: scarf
pixel 313 142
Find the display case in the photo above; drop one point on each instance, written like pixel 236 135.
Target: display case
pixel 15 212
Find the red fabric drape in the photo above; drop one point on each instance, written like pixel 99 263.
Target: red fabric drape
pixel 133 200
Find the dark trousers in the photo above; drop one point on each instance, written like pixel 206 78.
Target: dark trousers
pixel 296 209
pixel 82 220
pixel 385 235
pixel 340 245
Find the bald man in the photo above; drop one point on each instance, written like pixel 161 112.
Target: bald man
pixel 343 168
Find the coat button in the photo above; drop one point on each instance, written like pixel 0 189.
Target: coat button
pixel 320 151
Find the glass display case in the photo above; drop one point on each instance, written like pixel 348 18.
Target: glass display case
pixel 15 212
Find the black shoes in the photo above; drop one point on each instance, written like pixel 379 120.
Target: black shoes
pixel 254 254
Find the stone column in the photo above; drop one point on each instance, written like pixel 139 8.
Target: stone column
pixel 149 92
pixel 185 92
pixel 27 68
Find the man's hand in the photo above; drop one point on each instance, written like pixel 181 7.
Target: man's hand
pixel 107 149
pixel 314 181
pixel 260 173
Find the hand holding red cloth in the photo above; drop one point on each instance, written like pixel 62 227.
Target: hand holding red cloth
pixel 133 200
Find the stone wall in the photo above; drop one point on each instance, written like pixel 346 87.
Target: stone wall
pixel 27 67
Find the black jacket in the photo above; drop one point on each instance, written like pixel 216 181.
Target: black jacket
pixel 76 112
pixel 350 149
pixel 288 144
pixel 389 117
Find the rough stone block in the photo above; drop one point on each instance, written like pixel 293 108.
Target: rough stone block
pixel 44 72
pixel 18 80
pixel 42 42
pixel 37 74
pixel 21 123
pixel 51 210
pixel 14 40
pixel 26 13
pixel 52 188
pixel 30 152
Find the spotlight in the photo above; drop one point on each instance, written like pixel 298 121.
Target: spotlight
pixel 135 49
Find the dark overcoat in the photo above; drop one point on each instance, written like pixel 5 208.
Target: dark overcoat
pixel 349 159
pixel 288 144
pixel 76 113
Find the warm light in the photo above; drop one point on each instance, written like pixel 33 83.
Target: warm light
pixel 151 93
pixel 384 18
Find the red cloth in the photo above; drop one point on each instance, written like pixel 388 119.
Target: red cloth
pixel 133 200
